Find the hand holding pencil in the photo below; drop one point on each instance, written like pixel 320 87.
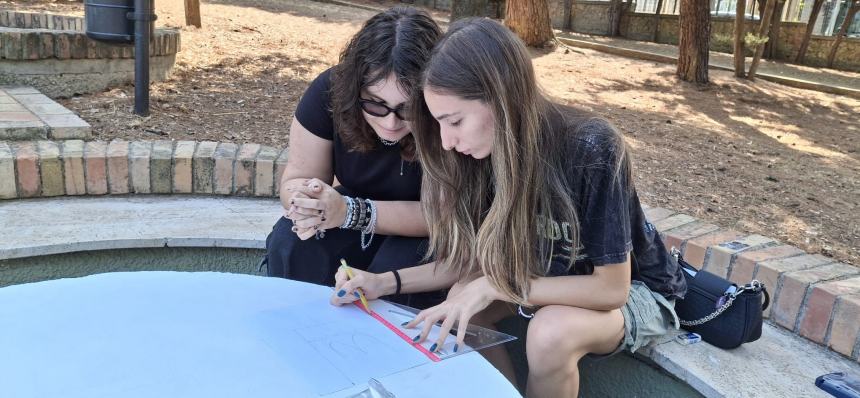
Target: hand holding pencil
pixel 350 288
pixel 357 291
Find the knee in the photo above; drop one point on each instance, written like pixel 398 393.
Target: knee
pixel 552 342
pixel 283 228
pixel 282 235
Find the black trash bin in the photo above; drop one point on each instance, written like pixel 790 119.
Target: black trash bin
pixel 107 21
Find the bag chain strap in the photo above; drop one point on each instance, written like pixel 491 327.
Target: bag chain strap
pixel 752 286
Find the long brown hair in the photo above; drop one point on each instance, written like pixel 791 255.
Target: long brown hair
pixel 482 214
pixel 399 41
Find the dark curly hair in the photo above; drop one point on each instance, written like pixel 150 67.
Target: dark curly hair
pixel 399 41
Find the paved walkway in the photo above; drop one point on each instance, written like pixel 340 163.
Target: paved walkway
pixel 820 79
pixel 27 114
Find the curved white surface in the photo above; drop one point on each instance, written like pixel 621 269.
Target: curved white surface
pixel 38 227
pixel 173 334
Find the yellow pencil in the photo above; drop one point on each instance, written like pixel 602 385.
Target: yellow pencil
pixel 360 293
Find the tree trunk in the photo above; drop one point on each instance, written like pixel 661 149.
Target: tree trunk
pixel 804 45
pixel 849 17
pixel 568 10
pixel 740 30
pixel 468 8
pixel 615 8
pixel 657 21
pixel 763 31
pixel 529 19
pixel 762 4
pixel 695 34
pixel 773 37
pixel 192 13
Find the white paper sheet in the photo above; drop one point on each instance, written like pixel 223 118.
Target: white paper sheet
pixel 339 347
pixel 169 334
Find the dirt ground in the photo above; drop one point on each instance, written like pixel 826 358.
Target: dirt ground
pixel 760 158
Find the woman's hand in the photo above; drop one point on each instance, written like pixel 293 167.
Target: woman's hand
pixel 315 206
pixel 463 302
pixel 291 213
pixel 373 285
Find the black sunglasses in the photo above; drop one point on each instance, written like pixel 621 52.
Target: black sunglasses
pixel 379 109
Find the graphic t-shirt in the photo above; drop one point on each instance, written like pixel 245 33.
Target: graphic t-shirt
pixel 611 220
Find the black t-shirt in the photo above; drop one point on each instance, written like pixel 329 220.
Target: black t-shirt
pixel 611 220
pixel 378 174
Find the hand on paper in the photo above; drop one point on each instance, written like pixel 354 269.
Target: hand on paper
pixel 373 286
pixel 463 302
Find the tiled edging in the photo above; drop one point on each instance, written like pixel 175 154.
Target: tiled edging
pixel 75 167
pixel 25 113
pixel 811 295
pixel 33 20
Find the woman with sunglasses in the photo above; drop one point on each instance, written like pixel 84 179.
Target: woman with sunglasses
pixel 350 129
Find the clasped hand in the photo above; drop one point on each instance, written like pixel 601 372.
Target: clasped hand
pixel 314 206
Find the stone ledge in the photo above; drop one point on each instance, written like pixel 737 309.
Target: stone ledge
pixel 42 227
pixel 68 77
pixel 780 364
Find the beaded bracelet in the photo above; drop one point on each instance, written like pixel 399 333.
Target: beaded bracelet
pixel 371 225
pixel 356 217
pixel 350 209
pixel 362 213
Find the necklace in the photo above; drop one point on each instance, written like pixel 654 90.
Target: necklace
pixel 387 142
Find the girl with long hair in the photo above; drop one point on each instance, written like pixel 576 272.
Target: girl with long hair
pixel 532 210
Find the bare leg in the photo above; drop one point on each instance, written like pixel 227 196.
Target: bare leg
pixel 558 337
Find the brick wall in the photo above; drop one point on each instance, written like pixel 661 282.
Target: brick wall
pixel 641 27
pixel 28 20
pixel 590 17
pixel 73 167
pixel 811 295
pixel 30 36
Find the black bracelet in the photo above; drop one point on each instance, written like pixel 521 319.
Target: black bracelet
pixel 397 280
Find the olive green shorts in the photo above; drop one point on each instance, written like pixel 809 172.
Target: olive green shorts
pixel 648 316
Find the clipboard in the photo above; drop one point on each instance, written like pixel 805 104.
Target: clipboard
pixel 392 315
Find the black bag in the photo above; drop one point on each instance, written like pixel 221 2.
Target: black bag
pixel 724 314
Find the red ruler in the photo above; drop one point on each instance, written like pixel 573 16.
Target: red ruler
pixel 433 357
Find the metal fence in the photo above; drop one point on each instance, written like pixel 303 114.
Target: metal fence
pixel 827 24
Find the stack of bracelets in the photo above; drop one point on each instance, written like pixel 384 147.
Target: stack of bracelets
pixel 360 215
